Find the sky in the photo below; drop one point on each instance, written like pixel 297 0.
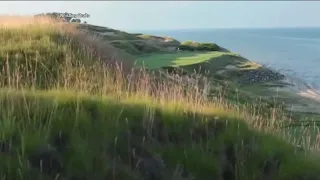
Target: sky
pixel 165 15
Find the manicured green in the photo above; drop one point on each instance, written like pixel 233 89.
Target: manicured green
pixel 155 61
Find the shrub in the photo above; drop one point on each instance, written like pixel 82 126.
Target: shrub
pixel 195 46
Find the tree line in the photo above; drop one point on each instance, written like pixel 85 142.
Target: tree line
pixel 62 16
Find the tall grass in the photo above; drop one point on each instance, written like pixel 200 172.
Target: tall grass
pixel 60 62
pixel 41 55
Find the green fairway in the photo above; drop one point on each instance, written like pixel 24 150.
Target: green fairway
pixel 154 61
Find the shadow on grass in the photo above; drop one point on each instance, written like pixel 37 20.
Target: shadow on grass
pixel 68 137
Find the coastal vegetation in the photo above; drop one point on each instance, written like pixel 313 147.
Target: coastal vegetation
pixel 85 102
pixel 195 46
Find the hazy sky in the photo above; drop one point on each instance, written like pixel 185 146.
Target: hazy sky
pixel 147 15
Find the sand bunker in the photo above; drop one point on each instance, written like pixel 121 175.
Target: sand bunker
pixel 300 88
pixel 310 94
pixel 230 67
pixel 227 67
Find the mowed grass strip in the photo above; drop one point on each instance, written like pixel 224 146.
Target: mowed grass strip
pixel 155 61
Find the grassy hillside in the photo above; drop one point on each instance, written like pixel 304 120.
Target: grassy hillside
pixel 233 72
pixel 134 44
pixel 72 109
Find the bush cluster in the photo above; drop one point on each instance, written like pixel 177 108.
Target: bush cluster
pixel 194 46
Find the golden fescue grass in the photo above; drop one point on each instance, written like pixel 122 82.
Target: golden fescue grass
pixel 99 78
pixel 82 72
pixel 93 46
pixel 22 21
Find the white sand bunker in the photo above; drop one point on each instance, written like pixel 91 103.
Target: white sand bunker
pixel 304 91
pixel 301 88
pixel 108 33
pixel 230 67
pixel 220 71
pixel 227 67
pixel 310 94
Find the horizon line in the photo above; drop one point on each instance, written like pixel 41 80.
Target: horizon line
pixel 223 28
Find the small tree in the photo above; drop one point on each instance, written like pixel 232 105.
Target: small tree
pixel 76 20
pixel 67 19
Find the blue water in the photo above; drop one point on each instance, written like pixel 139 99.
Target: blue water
pixel 293 51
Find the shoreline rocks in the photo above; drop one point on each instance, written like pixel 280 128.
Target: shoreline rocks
pixel 254 76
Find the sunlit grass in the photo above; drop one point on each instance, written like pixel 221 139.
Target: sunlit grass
pixel 155 61
pixel 50 84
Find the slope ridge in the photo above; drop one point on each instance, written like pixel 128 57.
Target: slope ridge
pixel 92 121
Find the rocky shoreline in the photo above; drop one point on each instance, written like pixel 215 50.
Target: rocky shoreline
pixel 253 76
